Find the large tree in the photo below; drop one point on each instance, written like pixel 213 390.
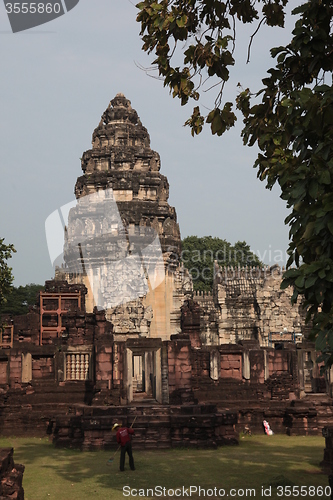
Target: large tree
pixel 290 119
pixel 6 276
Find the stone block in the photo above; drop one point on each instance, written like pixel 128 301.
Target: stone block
pixel 185 368
pixel 235 364
pixel 225 365
pixel 103 357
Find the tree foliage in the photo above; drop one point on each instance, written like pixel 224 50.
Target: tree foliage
pixel 6 277
pixel 293 126
pixel 20 299
pixel 199 254
pixel 209 29
pixel 290 119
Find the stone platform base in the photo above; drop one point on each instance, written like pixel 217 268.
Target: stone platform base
pixel 301 417
pixel 155 426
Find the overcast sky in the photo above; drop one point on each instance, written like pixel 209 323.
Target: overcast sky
pixel 56 82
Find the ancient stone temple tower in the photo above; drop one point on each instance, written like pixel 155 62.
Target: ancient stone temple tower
pixel 122 220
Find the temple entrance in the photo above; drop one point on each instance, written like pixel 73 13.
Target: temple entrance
pixel 139 385
pixel 311 381
pixel 143 374
pixel 144 380
pixel 308 373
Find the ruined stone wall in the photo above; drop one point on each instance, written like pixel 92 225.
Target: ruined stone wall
pixel 191 322
pixel 208 317
pixel 59 365
pixel 155 427
pixel 251 305
pixel 236 371
pixel 180 369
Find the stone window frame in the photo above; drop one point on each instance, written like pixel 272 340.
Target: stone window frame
pixel 79 351
pixel 58 313
pixel 4 333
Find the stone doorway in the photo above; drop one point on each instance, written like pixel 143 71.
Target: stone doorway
pixel 139 385
pixel 311 381
pixel 308 372
pixel 143 374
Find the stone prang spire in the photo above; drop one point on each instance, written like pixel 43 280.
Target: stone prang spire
pixel 121 159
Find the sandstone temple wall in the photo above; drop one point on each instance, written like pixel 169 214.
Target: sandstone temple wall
pixel 48 369
pixel 251 306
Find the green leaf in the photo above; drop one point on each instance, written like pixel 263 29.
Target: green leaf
pixel 322 274
pixel 321 341
pixel 157 6
pixel 313 189
pixel 216 124
pixel 286 103
pixel 308 230
pixel 300 282
pixel 309 282
pixel 325 178
pixel 330 226
pixel 182 21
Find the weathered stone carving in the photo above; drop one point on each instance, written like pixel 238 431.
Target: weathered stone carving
pixel 251 305
pixel 121 159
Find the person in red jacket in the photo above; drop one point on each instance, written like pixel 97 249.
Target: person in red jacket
pixel 124 438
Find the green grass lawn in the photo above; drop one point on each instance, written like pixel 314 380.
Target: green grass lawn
pixel 258 461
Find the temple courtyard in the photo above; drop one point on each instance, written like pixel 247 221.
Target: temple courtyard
pixel 259 464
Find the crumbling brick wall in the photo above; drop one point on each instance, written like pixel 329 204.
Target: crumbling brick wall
pixel 11 476
pixel 251 305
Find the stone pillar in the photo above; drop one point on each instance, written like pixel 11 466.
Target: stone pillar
pixel 214 365
pixel 15 368
pixel 158 375
pixel 165 373
pixel 266 365
pixel 246 365
pixel 128 375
